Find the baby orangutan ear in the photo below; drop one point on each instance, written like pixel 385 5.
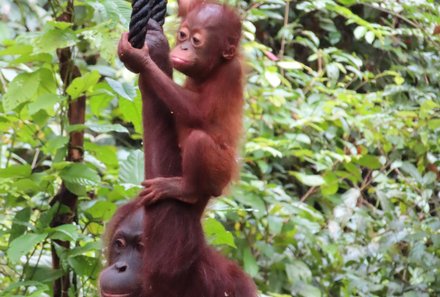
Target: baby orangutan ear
pixel 229 52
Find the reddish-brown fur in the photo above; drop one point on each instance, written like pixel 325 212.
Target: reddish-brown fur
pixel 207 110
pixel 178 262
pixel 204 119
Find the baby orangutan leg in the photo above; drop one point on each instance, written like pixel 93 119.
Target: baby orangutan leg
pixel 207 169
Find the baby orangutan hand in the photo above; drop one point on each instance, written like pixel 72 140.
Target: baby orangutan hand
pixel 134 59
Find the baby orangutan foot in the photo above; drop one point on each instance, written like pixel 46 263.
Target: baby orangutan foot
pixel 163 188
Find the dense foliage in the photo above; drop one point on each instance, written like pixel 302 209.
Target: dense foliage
pixel 340 185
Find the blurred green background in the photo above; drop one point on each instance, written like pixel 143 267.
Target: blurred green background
pixel 339 187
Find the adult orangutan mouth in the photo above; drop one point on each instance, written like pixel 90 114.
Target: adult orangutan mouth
pixel 105 294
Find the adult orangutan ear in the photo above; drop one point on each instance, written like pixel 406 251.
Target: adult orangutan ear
pixel 229 52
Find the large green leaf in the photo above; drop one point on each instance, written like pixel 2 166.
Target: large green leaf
pixel 85 266
pixel 132 169
pixel 23 88
pixel 132 112
pixel 101 210
pixel 66 232
pixel 82 84
pixel 124 90
pixel 54 37
pixel 16 171
pixel 24 244
pixel 217 234
pixel 80 174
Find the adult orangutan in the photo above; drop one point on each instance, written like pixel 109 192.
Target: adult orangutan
pixel 203 273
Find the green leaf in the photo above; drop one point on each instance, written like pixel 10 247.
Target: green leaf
pixel 307 290
pixel 132 169
pixel 75 128
pixel 331 184
pixel 369 37
pixel 347 2
pixel 102 210
pixel 434 124
pixel 298 271
pixel 275 224
pixel 290 65
pixel 369 161
pixel 16 49
pixel 24 244
pixel 350 197
pixel 124 90
pixel 20 223
pixel 309 180
pixel 29 86
pixel 80 174
pixel 75 188
pixel 104 153
pixel 54 38
pixel 273 78
pixel 21 89
pixel 60 25
pixel 359 32
pixel 85 266
pixel 399 80
pixel 217 234
pixel 132 111
pixel 105 128
pixel 410 169
pixel 45 102
pixel 42 274
pixel 55 144
pixel 427 108
pixel 67 232
pixel 250 264
pixel 16 171
pixel 47 216
pixel 332 71
pixel 83 84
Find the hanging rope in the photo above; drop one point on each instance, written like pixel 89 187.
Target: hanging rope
pixel 142 11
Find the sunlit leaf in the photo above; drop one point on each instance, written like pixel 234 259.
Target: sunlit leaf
pixel 309 179
pixel 124 90
pixel 24 244
pixel 217 234
pixel 82 84
pixel 80 174
pixel 132 169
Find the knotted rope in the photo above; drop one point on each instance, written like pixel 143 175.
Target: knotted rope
pixel 142 11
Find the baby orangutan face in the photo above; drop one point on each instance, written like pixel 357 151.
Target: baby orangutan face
pixel 204 41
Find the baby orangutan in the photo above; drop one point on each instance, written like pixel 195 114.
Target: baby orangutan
pixel 207 109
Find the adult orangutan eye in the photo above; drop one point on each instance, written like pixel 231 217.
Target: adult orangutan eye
pixel 120 243
pixel 140 246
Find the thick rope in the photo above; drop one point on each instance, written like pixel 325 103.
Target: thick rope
pixel 142 11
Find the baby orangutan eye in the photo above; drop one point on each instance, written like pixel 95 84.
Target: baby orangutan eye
pixel 181 35
pixel 196 41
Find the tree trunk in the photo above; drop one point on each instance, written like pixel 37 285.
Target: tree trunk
pixel 67 201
